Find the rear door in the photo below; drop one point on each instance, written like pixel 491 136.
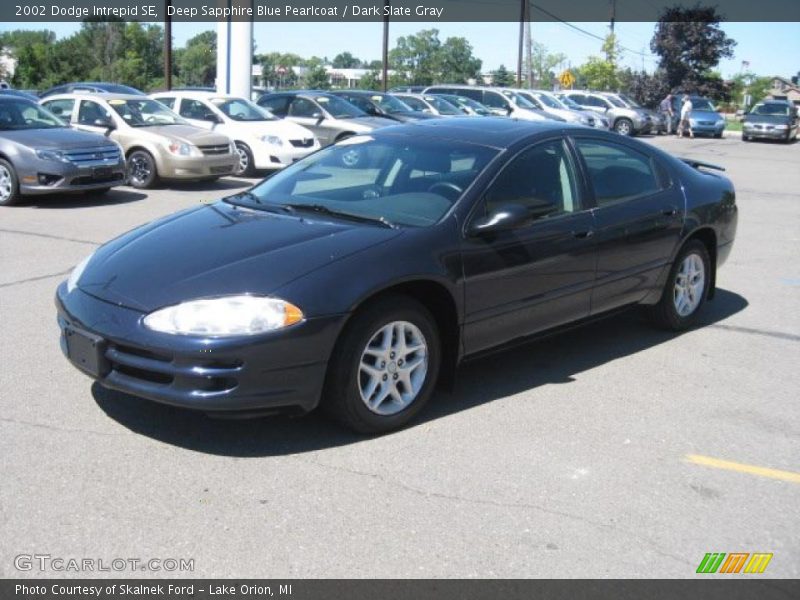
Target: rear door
pixel 533 278
pixel 638 219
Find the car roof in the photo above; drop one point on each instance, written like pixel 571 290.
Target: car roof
pixel 497 132
pixel 95 96
pixel 195 93
pixel 358 92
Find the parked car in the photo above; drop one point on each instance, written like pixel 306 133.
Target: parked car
pixel 600 121
pixel 550 106
pixel 771 119
pixel 262 140
pixel 704 118
pixel 40 154
pixel 18 94
pixel 501 102
pixel 91 87
pixel 468 106
pixel 379 104
pixel 329 117
pixel 430 104
pixel 411 89
pixel 158 143
pixel 623 120
pixel 659 120
pixel 357 287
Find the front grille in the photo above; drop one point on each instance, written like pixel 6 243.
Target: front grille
pixel 304 143
pixel 211 375
pixel 221 170
pixel 94 155
pixel 215 149
pixel 90 179
pixel 710 123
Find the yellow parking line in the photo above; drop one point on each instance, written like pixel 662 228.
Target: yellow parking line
pixel 716 463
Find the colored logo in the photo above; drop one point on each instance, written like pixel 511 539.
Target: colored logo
pixel 735 562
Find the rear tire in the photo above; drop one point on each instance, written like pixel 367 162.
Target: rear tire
pixel 686 289
pixel 9 184
pixel 384 367
pixel 142 173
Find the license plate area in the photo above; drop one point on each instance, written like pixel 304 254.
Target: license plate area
pixel 86 351
pixel 102 172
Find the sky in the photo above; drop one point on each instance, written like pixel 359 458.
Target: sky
pixel 770 48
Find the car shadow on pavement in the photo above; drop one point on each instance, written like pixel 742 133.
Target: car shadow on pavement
pixel 554 360
pixel 84 199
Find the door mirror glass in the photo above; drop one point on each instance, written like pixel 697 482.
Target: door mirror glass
pixel 505 217
pixel 105 123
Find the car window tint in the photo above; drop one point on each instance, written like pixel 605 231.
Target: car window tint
pixel 474 94
pixel 494 100
pixel 89 112
pixel 277 106
pixel 595 101
pixel 579 98
pixel 167 101
pixel 415 103
pixel 302 107
pixel 540 177
pixel 193 109
pixel 61 108
pixel 617 172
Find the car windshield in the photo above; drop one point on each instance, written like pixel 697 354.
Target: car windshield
pixel 547 100
pixel 338 108
pixel 391 180
pixel 18 113
pixel 778 110
pixel 240 109
pixel 518 100
pixel 442 105
pixel 473 104
pixel 630 101
pixel 615 101
pixel 702 104
pixel 144 112
pixel 390 104
pixel 569 103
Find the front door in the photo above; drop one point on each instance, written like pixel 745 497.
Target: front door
pixel 526 280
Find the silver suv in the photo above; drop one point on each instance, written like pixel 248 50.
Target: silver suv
pixel 624 120
pixel 502 102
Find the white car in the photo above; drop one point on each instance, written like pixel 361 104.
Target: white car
pixel 262 140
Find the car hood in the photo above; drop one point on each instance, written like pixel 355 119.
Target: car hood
pixel 282 128
pixel 706 114
pixel 368 123
pixel 216 250
pixel 406 116
pixel 771 119
pixel 187 133
pixel 56 138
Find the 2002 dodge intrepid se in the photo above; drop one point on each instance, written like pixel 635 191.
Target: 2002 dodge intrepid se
pixel 356 277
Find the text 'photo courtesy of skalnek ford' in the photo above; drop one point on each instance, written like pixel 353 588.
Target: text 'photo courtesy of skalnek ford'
pixel 400 299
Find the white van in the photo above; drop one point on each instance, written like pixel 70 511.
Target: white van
pixel 262 140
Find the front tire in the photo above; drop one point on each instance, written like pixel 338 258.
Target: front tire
pixel 142 172
pixel 686 289
pixel 623 127
pixel 245 165
pixel 9 184
pixel 384 367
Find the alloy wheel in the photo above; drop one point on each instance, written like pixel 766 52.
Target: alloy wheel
pixel 244 160
pixel 393 368
pixel 689 285
pixel 6 184
pixel 140 168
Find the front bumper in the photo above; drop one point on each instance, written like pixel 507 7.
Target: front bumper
pixel 707 128
pixel 283 369
pixel 178 167
pixel 48 177
pixel 269 156
pixel 766 132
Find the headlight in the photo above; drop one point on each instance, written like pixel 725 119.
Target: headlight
pixel 182 148
pixel 721 123
pixel 54 155
pixel 781 126
pixel 272 139
pixel 72 282
pixel 692 122
pixel 228 316
pixel 747 125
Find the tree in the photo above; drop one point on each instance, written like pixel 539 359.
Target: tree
pixel 690 43
pixel 502 77
pixel 197 63
pixel 426 60
pixel 371 80
pixel 600 73
pixel 317 78
pixel 457 64
pixel 345 60
pixel 647 89
pixel 543 64
pixel 749 84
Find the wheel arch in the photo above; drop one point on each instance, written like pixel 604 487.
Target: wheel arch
pixel 708 236
pixel 145 148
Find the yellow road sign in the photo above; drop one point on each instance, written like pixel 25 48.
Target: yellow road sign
pixel 566 79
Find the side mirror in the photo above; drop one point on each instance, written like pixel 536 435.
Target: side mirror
pixel 318 116
pixel 211 117
pixel 105 123
pixel 509 110
pixel 505 218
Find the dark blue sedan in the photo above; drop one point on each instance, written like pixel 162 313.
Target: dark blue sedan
pixel 359 277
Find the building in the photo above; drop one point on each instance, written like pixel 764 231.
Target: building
pixel 784 89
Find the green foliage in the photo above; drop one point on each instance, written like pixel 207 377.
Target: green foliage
pixel 647 89
pixel 600 73
pixel 543 65
pixel 502 77
pixel 427 60
pixel 690 43
pixel 371 80
pixel 345 60
pixel 196 64
pixel 317 78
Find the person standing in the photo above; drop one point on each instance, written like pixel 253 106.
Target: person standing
pixel 686 113
pixel 666 111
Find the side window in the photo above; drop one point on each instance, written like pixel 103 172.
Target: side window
pixel 494 100
pixel 361 103
pixel 415 103
pixel 167 101
pixel 61 108
pixel 577 98
pixel 541 179
pixel 618 172
pixel 594 101
pixel 278 106
pixel 301 107
pixel 474 94
pixel 90 112
pixel 193 109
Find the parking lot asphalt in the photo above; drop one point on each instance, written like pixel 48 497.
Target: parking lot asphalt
pixel 610 451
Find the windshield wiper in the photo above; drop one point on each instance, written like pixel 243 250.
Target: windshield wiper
pixel 324 210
